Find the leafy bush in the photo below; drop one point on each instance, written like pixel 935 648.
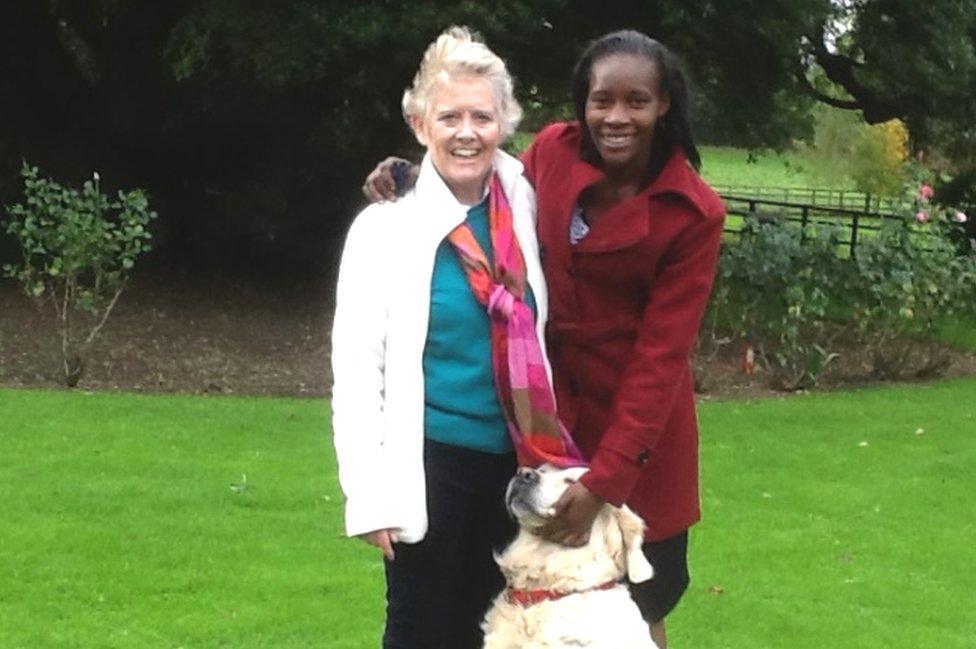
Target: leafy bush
pixel 775 290
pixel 910 277
pixel 77 251
pixel 798 298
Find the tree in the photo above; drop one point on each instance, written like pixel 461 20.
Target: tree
pixel 914 61
pixel 253 121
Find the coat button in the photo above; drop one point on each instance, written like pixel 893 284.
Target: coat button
pixel 643 457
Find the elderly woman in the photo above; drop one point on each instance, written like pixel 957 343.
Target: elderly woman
pixel 431 291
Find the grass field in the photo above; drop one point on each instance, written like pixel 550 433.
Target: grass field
pixel 739 167
pixel 838 520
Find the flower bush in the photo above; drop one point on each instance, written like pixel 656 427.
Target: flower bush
pixel 799 300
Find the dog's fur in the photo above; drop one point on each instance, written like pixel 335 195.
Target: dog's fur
pixel 588 617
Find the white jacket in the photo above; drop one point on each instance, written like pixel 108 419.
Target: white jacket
pixel 378 338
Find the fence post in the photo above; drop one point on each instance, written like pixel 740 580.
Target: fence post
pixel 804 219
pixel 857 216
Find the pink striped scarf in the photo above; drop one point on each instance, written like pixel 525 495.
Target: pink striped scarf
pixel 519 368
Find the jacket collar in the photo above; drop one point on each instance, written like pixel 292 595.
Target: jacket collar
pixel 434 194
pixel 677 177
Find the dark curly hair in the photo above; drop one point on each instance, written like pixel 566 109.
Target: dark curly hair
pixel 672 129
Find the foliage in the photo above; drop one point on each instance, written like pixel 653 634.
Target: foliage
pixel 900 59
pixel 255 122
pixel 795 296
pixel 773 290
pixel 911 277
pixel 872 156
pixel 78 248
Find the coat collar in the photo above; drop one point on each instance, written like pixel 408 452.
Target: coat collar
pixel 445 210
pixel 627 222
pixel 676 178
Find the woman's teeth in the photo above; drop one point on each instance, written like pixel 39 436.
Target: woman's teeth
pixel 465 153
pixel 616 140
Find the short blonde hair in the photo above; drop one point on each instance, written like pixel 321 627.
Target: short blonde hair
pixel 458 52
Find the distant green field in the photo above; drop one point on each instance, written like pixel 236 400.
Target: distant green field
pixel 135 521
pixel 739 167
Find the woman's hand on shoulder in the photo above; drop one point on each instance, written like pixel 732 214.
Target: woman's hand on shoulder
pixel 382 539
pixel 381 183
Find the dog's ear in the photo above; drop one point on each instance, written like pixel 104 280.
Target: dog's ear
pixel 632 532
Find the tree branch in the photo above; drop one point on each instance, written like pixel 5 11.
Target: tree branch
pixel 847 104
pixel 98 327
pixel 842 70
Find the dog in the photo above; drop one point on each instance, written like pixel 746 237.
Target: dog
pixel 558 596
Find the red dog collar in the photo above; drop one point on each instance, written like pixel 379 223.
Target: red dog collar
pixel 529 597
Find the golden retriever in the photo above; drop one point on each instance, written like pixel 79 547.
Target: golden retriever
pixel 558 596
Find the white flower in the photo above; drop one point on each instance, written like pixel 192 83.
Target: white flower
pixel 96 176
pixel 959 216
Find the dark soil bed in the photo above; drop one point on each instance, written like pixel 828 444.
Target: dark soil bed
pixel 179 333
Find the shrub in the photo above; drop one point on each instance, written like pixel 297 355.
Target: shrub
pixel 775 290
pixel 800 300
pixel 77 248
pixel 878 158
pixel 912 275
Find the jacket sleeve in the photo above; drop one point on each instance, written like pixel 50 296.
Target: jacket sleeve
pixel 649 384
pixel 529 160
pixel 531 157
pixel 358 359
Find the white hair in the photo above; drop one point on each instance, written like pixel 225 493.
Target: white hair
pixel 458 52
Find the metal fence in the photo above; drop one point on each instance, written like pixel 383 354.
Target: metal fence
pixel 857 222
pixel 842 199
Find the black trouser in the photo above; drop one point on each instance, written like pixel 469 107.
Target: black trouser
pixel 658 597
pixel 437 591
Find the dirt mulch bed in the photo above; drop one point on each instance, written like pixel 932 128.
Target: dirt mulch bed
pixel 179 333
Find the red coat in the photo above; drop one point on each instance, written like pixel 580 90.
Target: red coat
pixel 625 305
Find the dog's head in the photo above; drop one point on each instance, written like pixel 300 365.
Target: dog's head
pixel 617 533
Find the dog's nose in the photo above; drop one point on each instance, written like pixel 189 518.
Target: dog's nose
pixel 527 476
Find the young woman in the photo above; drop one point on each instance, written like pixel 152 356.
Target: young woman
pixel 629 235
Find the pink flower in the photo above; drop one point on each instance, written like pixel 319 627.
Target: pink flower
pixel 959 217
pixel 925 191
pixel 922 216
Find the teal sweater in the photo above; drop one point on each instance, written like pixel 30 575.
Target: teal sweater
pixel 461 406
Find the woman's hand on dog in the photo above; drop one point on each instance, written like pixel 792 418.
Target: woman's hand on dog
pixel 573 516
pixel 382 539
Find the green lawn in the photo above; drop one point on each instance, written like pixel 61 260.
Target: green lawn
pixel 840 520
pixel 739 167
